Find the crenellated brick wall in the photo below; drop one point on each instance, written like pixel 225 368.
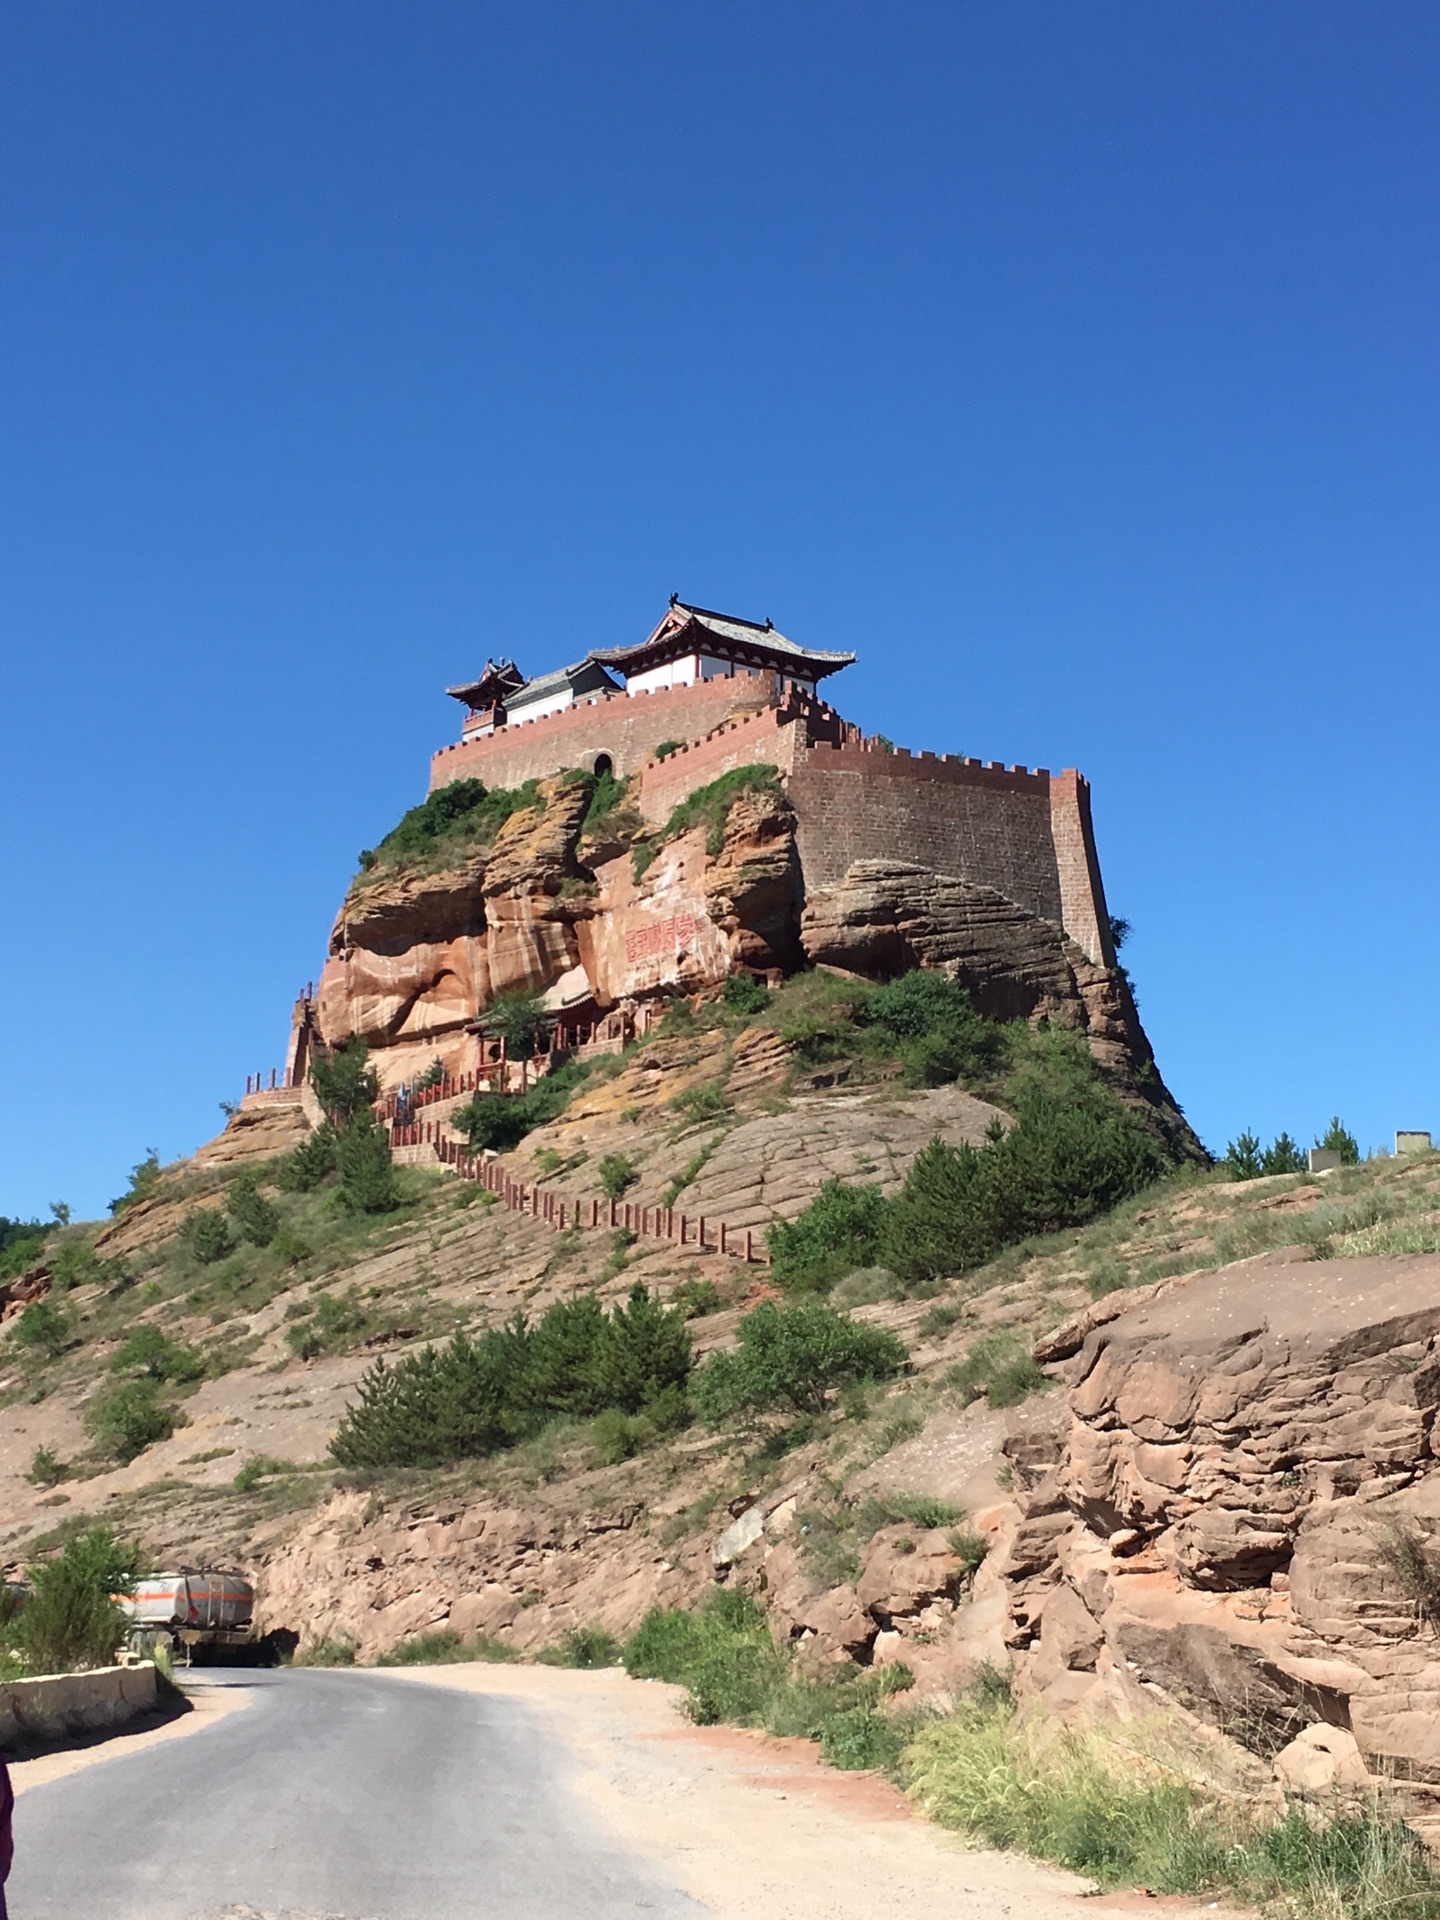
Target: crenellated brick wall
pixel 986 823
pixel 625 726
pixel 1022 830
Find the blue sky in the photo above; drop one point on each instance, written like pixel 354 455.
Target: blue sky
pixel 1076 365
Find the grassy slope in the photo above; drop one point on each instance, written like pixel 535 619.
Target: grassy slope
pixel 445 1260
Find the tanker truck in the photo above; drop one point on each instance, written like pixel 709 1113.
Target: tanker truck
pixel 202 1614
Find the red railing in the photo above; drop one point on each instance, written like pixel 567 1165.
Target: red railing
pixel 697 1233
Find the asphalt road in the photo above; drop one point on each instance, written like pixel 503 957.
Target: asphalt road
pixel 334 1796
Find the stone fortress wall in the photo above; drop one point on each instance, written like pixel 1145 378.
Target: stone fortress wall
pixel 1024 831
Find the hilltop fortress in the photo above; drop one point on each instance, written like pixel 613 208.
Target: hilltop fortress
pixel 693 806
pixel 728 693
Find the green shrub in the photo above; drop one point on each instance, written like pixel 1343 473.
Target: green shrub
pixel 617 1174
pixel 156 1356
pixel 699 1104
pixel 367 1173
pixel 793 1357
pixel 664 1645
pixel 475 1397
pixel 46 1469
pixel 707 806
pixel 345 1083
pixel 1073 1153
pixel 454 817
pixel 743 993
pixel 71 1620
pixel 588 1648
pixel 130 1418
pixel 443 1646
pixel 433 1076
pixel 256 1218
pixel 500 1121
pixel 328 1324
pixel 999 1368
pixel 1338 1138
pixel 144 1178
pixel 1101 1810
pixel 44 1327
pixel 696 1298
pixel 328 1651
pixel 208 1232
pixel 939 1035
pixel 22 1242
pixel 305 1167
pixel 839 1231
pixel 517 1019
pixel 1246 1159
pixel 607 795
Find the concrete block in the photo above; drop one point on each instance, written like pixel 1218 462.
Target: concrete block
pixel 1412 1140
pixel 1324 1160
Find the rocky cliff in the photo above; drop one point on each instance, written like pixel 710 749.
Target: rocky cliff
pixel 418 950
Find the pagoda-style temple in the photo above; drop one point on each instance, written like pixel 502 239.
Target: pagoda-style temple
pixel 485 698
pixel 693 643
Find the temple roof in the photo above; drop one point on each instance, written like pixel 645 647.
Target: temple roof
pixel 499 679
pixel 686 628
pixel 585 676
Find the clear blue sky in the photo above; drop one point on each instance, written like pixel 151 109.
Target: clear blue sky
pixel 1075 364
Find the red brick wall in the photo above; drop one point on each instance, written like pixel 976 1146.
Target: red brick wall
pixel 955 816
pixel 1082 892
pixel 770 738
pixel 627 727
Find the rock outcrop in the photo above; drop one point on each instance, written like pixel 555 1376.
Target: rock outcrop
pixel 888 916
pixel 1238 1512
pixel 417 952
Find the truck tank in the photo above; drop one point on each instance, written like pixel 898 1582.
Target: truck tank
pixel 202 1612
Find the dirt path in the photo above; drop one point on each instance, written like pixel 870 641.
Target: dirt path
pixel 209 1702
pixel 755 1828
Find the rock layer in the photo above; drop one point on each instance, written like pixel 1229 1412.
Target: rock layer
pixel 1239 1511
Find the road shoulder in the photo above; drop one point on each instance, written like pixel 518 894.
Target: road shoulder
pixel 755 1828
pixel 208 1704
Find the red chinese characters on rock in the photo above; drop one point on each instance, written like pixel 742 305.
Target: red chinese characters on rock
pixel 661 936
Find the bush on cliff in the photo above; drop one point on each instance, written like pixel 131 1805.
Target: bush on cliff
pixel 477 1396
pixel 1073 1152
pixel 725 1656
pixel 839 1231
pixel 463 813
pixel 311 1163
pixel 1101 1809
pixel 790 1358
pixel 367 1173
pixel 937 1032
pixel 130 1418
pixel 345 1083
pixel 709 807
pixel 500 1121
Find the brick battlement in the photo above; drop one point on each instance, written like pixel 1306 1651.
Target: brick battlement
pixel 1022 830
pixel 626 727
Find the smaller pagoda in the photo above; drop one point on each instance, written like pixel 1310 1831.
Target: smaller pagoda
pixel 486 697
pixel 695 643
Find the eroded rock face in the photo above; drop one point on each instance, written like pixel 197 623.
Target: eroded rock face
pixel 415 955
pixel 1216 1519
pixel 888 916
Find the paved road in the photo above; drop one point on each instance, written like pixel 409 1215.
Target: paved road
pixel 334 1796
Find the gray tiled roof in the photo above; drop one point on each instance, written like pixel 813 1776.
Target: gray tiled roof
pixel 738 632
pixel 584 676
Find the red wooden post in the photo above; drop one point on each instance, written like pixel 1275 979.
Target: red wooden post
pixel 701 1241
pixel 749 1254
pixel 723 1247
